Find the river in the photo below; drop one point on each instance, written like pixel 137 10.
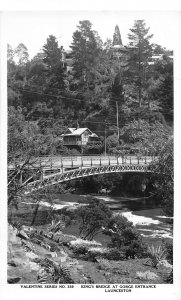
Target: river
pixel 144 213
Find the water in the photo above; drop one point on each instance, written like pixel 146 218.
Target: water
pixel 145 214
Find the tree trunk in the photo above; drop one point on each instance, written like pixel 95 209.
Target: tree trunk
pixel 35 214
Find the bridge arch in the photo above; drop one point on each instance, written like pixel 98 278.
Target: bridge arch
pixel 62 177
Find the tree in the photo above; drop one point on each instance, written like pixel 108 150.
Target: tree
pixel 140 51
pixel 21 54
pixel 125 237
pixel 149 139
pixel 10 54
pixel 53 61
pixel 117 37
pixel 52 52
pixel 92 218
pixel 85 52
pixel 162 74
pixel 164 177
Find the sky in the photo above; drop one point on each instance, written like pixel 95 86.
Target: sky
pixel 33 27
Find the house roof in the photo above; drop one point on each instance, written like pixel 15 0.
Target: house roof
pixel 71 129
pixel 79 131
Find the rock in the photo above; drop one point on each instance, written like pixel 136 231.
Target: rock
pixel 22 235
pixel 147 275
pixel 164 263
pixel 12 263
pixel 14 280
pixel 51 254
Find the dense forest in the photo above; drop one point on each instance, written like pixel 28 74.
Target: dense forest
pixel 123 93
pixel 44 98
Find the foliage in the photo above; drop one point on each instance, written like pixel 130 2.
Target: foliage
pixel 92 218
pixel 106 253
pixel 25 139
pixel 21 54
pixel 141 51
pixel 55 99
pixel 169 251
pixel 169 278
pixel 164 177
pixel 125 237
pixel 117 36
pixel 58 224
pixel 111 142
pixel 51 272
pixel 114 254
pixel 148 139
pixel 80 246
pixel 157 254
pixel 85 49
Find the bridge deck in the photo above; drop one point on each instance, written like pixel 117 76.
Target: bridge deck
pixel 70 168
pixel 59 162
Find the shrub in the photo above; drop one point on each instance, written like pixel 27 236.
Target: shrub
pixel 64 239
pixel 126 238
pixel 92 218
pixel 156 254
pixel 80 249
pixel 94 252
pixel 135 249
pixel 169 278
pixel 169 251
pixel 114 254
pixel 107 253
pixel 85 243
pixel 80 246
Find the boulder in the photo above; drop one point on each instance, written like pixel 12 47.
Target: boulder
pixel 22 235
pixel 147 275
pixel 164 263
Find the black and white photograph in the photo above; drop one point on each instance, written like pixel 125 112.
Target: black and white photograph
pixel 90 148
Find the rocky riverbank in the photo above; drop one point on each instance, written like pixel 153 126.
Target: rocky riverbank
pixel 54 261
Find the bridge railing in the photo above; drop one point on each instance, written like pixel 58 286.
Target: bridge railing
pixel 61 162
pixel 85 161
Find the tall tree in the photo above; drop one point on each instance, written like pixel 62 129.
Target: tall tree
pixel 140 50
pixel 52 52
pixel 117 36
pixel 55 74
pixel 53 60
pixel 10 53
pixel 21 54
pixel 85 51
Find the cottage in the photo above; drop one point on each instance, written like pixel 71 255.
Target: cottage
pixel 79 137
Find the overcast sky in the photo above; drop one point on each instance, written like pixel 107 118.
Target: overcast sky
pixel 33 28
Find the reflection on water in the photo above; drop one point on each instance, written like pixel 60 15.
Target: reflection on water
pixel 129 203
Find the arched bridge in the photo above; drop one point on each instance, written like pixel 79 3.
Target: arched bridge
pixel 60 169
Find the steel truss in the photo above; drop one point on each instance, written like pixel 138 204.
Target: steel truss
pixel 84 172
